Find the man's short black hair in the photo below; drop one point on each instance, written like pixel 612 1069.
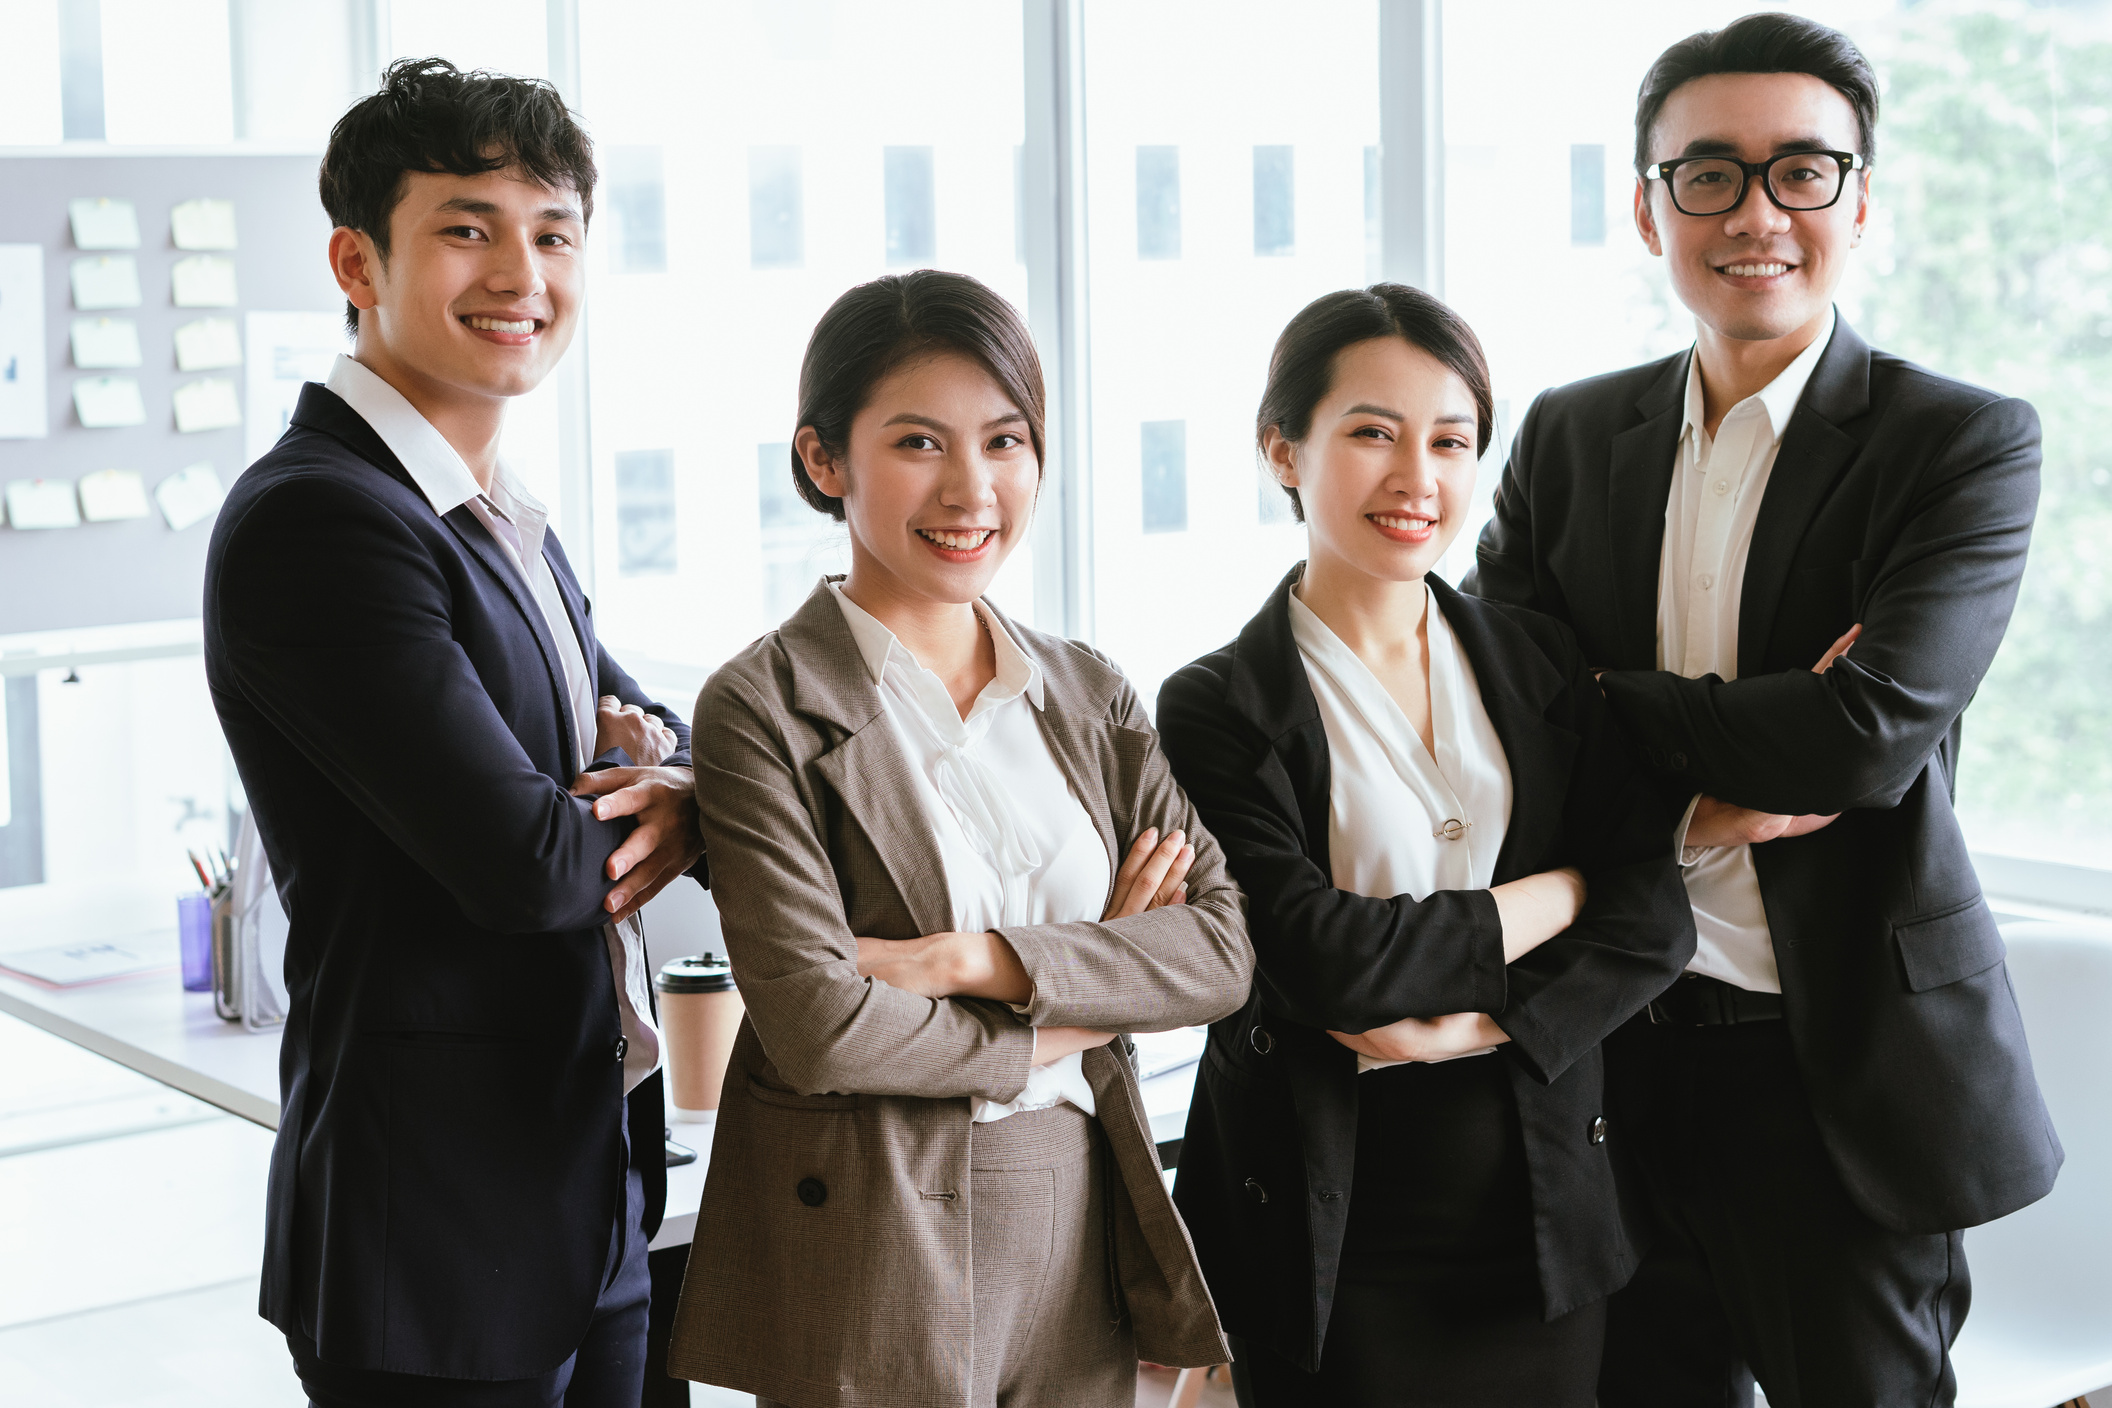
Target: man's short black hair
pixel 1766 43
pixel 431 116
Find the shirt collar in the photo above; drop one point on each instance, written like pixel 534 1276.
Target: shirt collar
pixel 424 452
pixel 1778 398
pixel 877 646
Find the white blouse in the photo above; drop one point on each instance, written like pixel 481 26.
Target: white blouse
pixel 1398 820
pixel 1018 847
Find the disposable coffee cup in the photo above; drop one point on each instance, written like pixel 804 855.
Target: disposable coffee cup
pixel 700 1014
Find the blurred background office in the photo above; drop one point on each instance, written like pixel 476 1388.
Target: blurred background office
pixel 1160 184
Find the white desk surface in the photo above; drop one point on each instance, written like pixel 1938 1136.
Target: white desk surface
pixel 150 1024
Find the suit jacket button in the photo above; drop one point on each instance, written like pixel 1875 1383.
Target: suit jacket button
pixel 1598 1130
pixel 1255 1191
pixel 812 1191
pixel 623 1044
pixel 1261 1041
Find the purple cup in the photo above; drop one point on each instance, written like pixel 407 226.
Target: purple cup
pixel 194 932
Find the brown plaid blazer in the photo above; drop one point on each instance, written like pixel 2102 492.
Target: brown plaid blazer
pixel 831 1261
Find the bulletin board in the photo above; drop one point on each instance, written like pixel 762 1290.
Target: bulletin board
pixel 140 569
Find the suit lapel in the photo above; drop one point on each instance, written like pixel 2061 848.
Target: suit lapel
pixel 1639 481
pixel 1517 683
pixel 481 545
pixel 1815 450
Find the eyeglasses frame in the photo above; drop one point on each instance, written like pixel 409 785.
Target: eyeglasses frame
pixel 1662 171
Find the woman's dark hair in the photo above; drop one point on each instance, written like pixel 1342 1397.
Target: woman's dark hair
pixel 878 327
pixel 1765 43
pixel 1302 368
pixel 431 116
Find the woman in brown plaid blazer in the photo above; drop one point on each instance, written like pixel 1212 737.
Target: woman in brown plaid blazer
pixel 933 1181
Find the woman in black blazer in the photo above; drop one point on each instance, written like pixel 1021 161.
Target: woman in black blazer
pixel 1397 1170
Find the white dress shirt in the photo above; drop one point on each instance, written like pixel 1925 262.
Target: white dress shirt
pixel 1018 847
pixel 1399 821
pixel 1717 484
pixel 517 522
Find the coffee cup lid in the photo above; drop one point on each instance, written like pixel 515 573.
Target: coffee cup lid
pixel 700 972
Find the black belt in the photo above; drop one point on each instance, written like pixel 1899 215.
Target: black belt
pixel 1697 1001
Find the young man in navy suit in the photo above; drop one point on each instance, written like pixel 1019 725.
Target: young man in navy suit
pixel 464 799
pixel 1839 1083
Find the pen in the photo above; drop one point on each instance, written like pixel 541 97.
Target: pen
pixel 199 866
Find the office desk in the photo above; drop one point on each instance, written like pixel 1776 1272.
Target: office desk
pixel 150 1024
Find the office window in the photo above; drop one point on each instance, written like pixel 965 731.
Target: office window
pixel 81 70
pixel 1165 476
pixel 1374 247
pixel 1587 193
pixel 645 511
pixel 633 199
pixel 1158 202
pixel 1274 504
pixel 1275 203
pixel 912 219
pixel 776 226
pixel 21 784
pixel 1019 203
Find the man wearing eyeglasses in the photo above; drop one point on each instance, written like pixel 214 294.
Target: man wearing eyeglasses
pixel 1795 556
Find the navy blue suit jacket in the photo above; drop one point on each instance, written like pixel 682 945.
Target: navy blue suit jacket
pixel 450 1156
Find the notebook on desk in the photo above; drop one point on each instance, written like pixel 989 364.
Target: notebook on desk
pixel 94 961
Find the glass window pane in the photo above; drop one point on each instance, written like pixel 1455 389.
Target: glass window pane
pixel 1587 193
pixel 1223 194
pixel 634 202
pixel 912 221
pixel 645 511
pixel 777 237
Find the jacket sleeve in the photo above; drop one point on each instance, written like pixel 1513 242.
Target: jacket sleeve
pixel 1325 957
pixel 335 623
pixel 1940 597
pixel 1506 566
pixel 826 1029
pixel 1635 932
pixel 1176 966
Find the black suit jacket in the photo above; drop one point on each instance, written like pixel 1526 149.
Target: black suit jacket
pixel 1902 500
pixel 1276 1099
pixel 450 1157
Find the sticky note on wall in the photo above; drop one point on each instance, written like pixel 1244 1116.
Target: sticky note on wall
pixel 41 503
pixel 189 496
pixel 105 281
pixel 104 402
pixel 206 404
pixel 103 222
pixel 203 281
pixel 110 495
pixel 208 344
pixel 203 224
pixel 105 342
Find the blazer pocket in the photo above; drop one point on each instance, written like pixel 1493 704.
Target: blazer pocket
pixel 792 1100
pixel 1946 947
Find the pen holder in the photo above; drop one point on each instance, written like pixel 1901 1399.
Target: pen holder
pixel 194 934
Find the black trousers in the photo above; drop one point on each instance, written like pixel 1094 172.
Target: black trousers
pixel 1437 1300
pixel 1760 1265
pixel 605 1370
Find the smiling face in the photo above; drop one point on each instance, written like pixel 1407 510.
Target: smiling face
pixel 1385 472
pixel 1756 272
pixel 938 481
pixel 479 293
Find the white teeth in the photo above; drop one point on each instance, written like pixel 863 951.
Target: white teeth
pixel 496 325
pixel 1755 271
pixel 1401 521
pixel 966 541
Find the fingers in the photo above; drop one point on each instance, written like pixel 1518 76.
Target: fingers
pixel 1837 649
pixel 624 801
pixel 1176 873
pixel 1152 876
pixel 596 784
pixel 1126 876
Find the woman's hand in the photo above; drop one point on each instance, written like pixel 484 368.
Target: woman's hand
pixel 619 725
pixel 1152 875
pixel 1414 1039
pixel 948 965
pixel 1052 1044
pixel 1536 908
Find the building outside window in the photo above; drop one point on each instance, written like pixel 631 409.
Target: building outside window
pixel 1275 202
pixel 912 221
pixel 1158 202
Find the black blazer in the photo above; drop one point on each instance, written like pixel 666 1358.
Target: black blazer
pixel 1276 1100
pixel 1902 500
pixel 450 1158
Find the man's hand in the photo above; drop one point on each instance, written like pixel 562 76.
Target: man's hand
pixel 667 841
pixel 1413 1039
pixel 1719 823
pixel 647 740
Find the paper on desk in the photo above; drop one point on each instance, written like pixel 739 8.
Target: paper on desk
pixel 189 496
pixel 105 281
pixel 22 410
pixel 41 503
pixel 207 404
pixel 1160 1052
pixel 203 224
pixel 203 281
pixel 65 965
pixel 208 344
pixel 105 342
pixel 105 401
pixel 109 495
pixel 103 222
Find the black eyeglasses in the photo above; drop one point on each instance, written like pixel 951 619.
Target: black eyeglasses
pixel 1711 185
